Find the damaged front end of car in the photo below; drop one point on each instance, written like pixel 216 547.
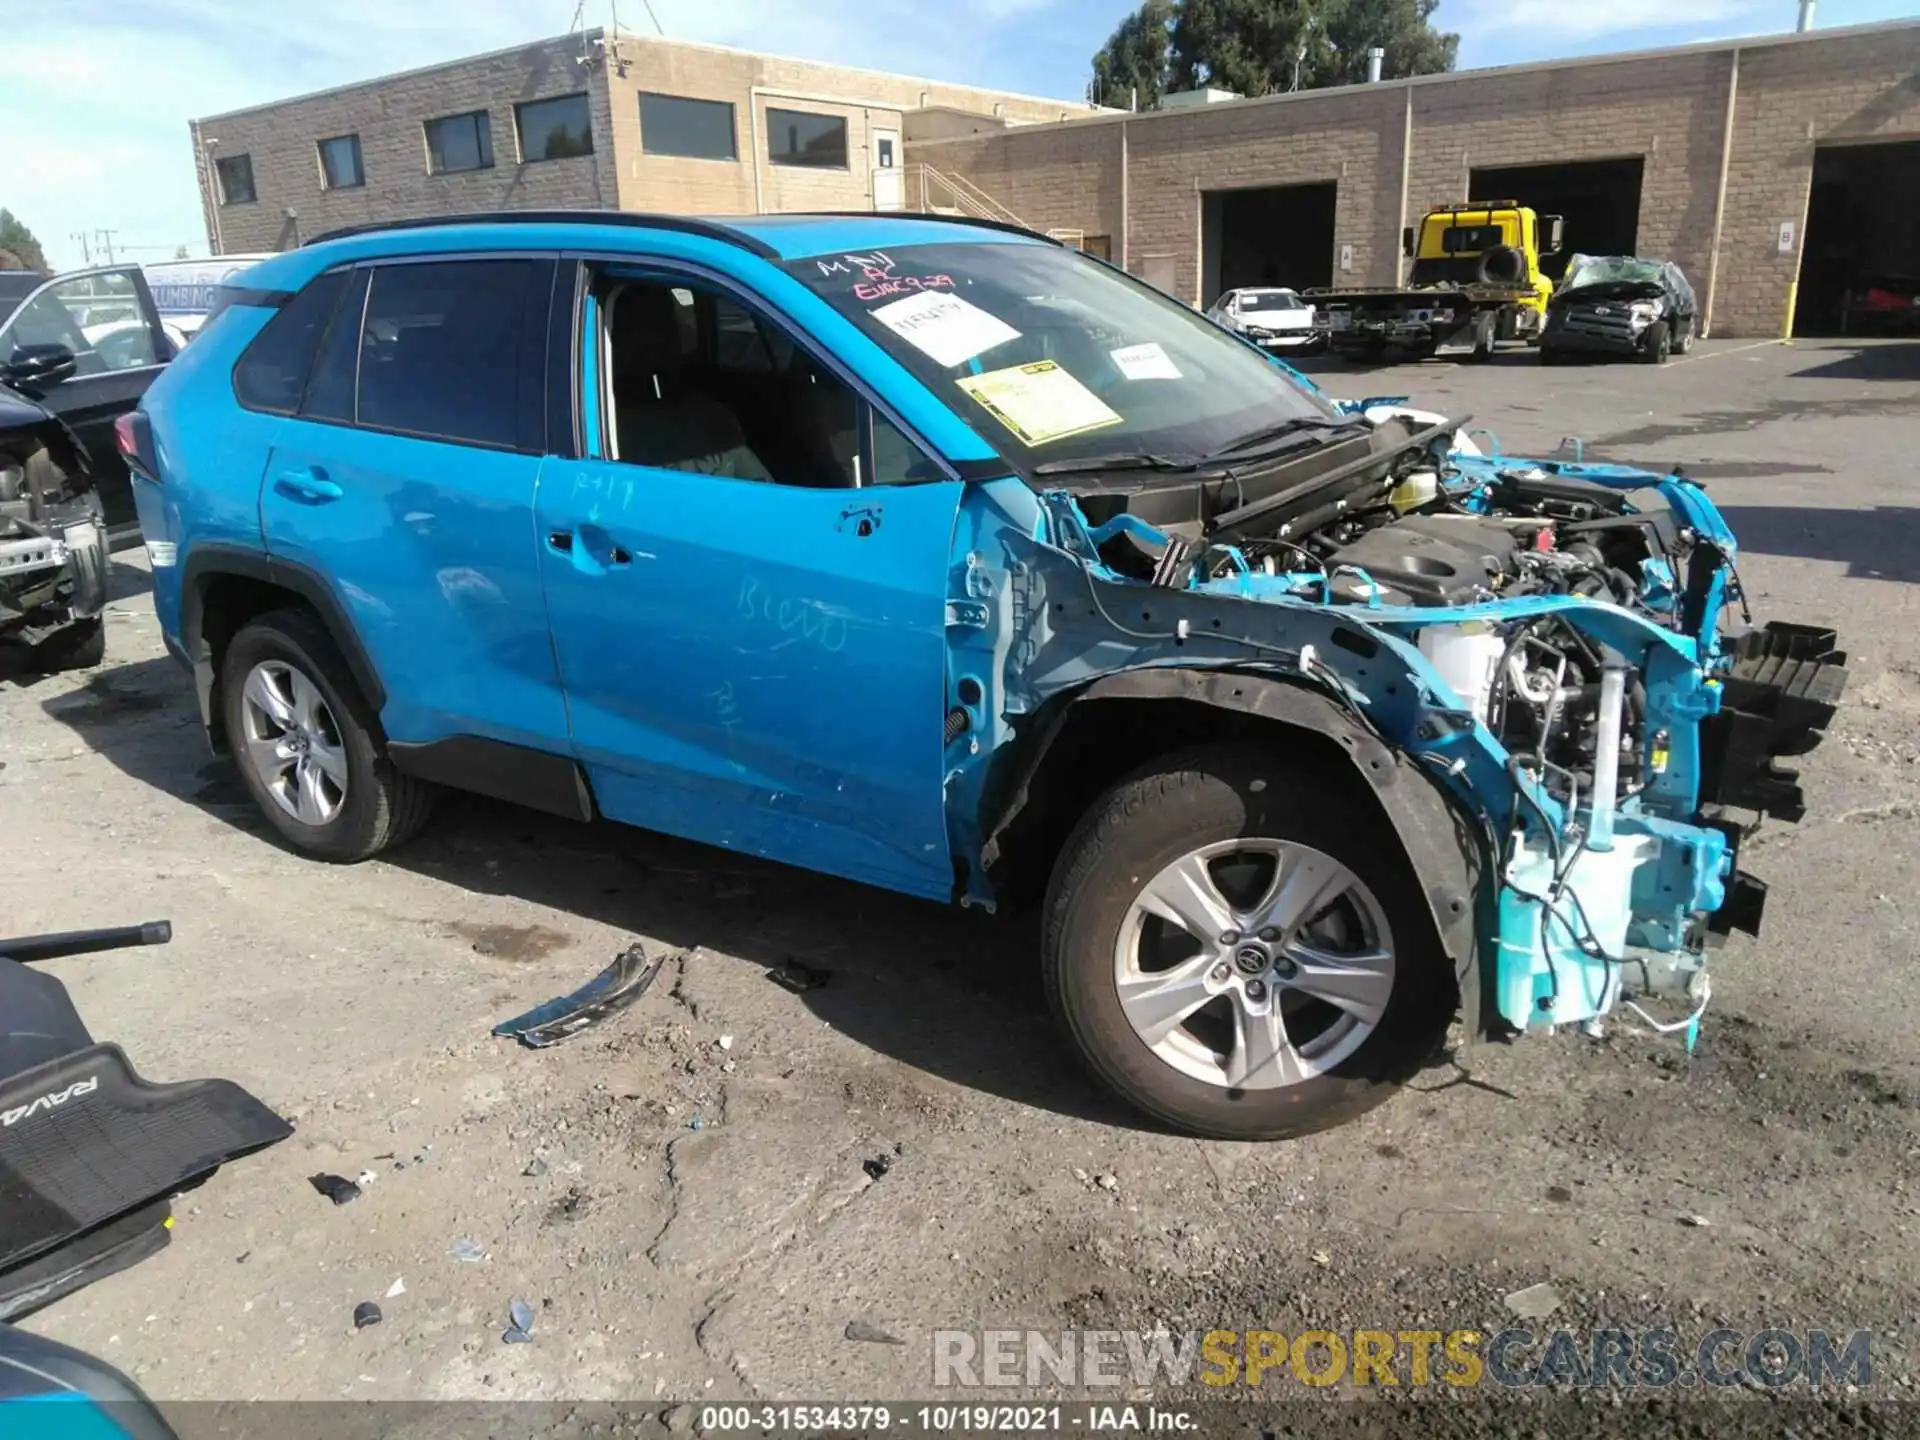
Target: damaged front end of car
pixel 53 546
pixel 1525 659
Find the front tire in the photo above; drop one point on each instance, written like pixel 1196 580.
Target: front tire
pixel 1321 989
pixel 1659 344
pixel 308 745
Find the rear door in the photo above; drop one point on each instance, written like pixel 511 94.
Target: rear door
pixel 107 319
pixel 404 475
pixel 747 578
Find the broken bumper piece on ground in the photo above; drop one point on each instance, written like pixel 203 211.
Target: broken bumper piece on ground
pixel 608 993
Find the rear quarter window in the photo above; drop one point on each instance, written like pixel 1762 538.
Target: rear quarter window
pixel 272 371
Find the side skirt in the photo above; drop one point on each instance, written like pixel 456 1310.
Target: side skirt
pixel 537 779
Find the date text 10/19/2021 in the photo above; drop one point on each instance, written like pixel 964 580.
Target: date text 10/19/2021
pixel 920 1419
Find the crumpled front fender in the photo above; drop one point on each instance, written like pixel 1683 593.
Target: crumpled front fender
pixel 1446 849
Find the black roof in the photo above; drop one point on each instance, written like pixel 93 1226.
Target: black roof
pixel 626 219
pixel 716 229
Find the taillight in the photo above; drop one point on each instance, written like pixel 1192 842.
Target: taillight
pixel 133 436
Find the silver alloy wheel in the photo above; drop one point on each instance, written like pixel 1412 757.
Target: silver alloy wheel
pixel 293 743
pixel 1284 985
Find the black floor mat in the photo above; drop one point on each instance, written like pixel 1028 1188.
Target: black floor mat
pixel 105 1250
pixel 83 1140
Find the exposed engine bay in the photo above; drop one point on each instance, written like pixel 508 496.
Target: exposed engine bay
pixel 53 546
pixel 1561 623
pixel 1391 534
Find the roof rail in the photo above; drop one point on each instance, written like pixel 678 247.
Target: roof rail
pixel 622 218
pixel 978 222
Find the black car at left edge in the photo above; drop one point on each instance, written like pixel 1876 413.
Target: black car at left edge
pixel 105 318
pixel 77 352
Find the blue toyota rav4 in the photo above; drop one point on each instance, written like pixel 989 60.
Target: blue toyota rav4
pixel 939 556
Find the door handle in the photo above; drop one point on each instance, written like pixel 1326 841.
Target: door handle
pixel 310 487
pixel 590 548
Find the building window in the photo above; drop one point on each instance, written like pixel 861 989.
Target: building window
pixel 235 174
pixel 797 137
pixel 460 142
pixel 554 129
pixel 340 163
pixel 674 125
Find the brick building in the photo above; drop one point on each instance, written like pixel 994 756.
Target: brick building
pixel 583 121
pixel 1759 165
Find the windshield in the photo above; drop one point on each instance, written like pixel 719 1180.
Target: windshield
pixel 1269 300
pixel 1610 270
pixel 1053 357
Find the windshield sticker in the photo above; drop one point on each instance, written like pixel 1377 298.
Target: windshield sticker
pixel 876 278
pixel 945 327
pixel 1039 402
pixel 1145 362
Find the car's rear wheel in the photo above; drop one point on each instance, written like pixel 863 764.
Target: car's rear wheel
pixel 1238 948
pixel 308 745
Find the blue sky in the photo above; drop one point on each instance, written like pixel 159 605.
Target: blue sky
pixel 99 92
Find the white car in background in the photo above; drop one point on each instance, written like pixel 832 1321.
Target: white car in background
pixel 1272 317
pixel 183 290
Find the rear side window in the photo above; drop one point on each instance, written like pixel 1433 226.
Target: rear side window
pixel 454 350
pixel 273 369
pixel 330 390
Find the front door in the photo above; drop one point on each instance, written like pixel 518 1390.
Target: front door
pixel 750 636
pixel 887 193
pixel 106 318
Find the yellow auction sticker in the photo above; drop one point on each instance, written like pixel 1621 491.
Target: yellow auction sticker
pixel 1039 402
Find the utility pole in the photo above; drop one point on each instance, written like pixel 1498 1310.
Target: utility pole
pixel 106 242
pixel 86 255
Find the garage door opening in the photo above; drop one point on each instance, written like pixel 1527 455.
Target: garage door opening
pixel 1860 265
pixel 1600 200
pixel 1278 235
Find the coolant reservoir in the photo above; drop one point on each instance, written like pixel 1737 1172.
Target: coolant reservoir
pixel 1466 657
pixel 1415 489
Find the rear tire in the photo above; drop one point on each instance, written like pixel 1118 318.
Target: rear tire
pixel 80 646
pixel 1218 807
pixel 308 745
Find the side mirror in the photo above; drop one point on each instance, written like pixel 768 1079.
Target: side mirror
pixel 1406 242
pixel 1556 234
pixel 38 365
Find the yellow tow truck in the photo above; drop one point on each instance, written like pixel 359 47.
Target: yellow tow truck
pixel 1475 282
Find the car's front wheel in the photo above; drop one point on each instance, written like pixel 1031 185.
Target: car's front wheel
pixel 308 745
pixel 1238 948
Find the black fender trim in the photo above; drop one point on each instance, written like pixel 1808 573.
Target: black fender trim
pixel 519 774
pixel 206 562
pixel 1446 848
